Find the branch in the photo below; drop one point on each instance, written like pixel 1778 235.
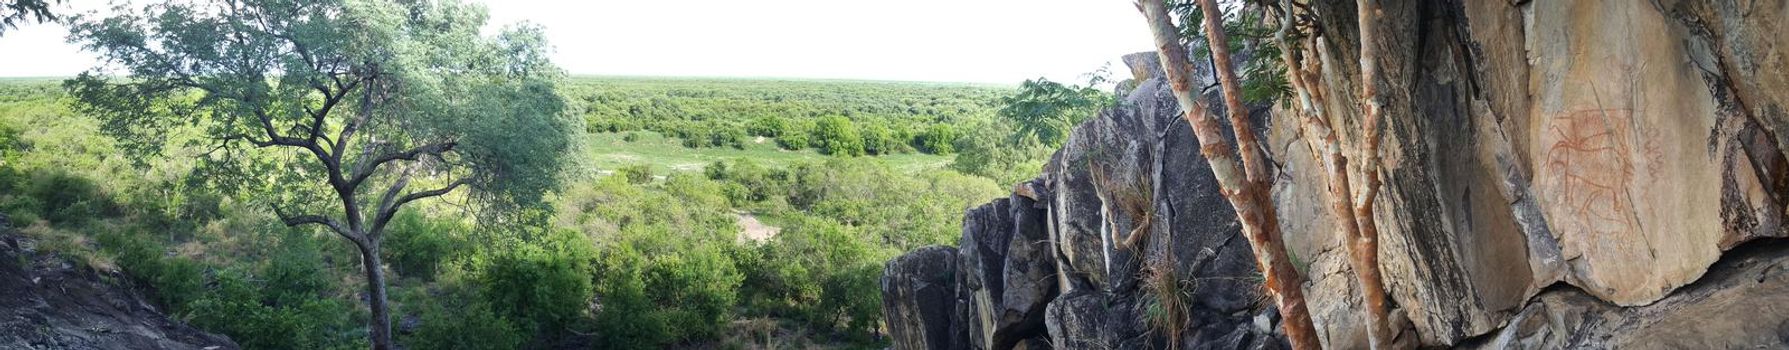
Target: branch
pixel 388 206
pixel 298 220
pixel 366 169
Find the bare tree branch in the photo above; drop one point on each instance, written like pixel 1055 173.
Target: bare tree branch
pixel 389 206
pixel 368 167
pixel 308 219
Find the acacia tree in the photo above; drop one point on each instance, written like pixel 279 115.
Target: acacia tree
pixel 1046 110
pixel 1245 183
pixel 335 113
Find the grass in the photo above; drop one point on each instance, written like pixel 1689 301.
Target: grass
pixel 608 151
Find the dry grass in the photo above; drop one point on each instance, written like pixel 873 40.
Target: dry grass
pixel 1169 300
pixel 1135 198
pixel 47 240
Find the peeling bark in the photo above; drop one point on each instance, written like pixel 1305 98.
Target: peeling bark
pixel 1248 194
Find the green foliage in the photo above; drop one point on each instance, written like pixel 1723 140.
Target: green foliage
pixel 835 135
pixel 987 151
pixel 416 245
pixel 1263 72
pixel 14 11
pixel 239 308
pixel 636 174
pixel 544 285
pixel 658 289
pixel 294 71
pixel 64 198
pixel 471 327
pixel 815 276
pixel 937 139
pixel 701 111
pixel 1046 111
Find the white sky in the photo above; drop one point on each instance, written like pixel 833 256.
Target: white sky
pixel 988 41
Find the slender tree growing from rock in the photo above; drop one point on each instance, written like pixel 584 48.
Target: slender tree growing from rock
pixel 1246 190
pixel 1354 217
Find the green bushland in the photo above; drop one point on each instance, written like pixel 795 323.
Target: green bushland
pixel 891 117
pixel 637 252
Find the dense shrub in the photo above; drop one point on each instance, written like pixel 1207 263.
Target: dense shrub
pixel 835 135
pixel 415 245
pixel 469 327
pixel 543 285
pixel 65 198
pixel 814 276
pixel 657 288
pixel 239 308
pixel 936 139
pixel 636 174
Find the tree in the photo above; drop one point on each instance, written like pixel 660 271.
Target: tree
pixel 1245 184
pixel 1047 110
pixel 14 11
pixel 336 105
pixel 1354 215
pixel 835 135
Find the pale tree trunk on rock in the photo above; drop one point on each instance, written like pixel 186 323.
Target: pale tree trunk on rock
pixel 1248 190
pixel 1354 219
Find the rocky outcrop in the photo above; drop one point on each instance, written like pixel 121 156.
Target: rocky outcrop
pixel 1579 174
pixel 919 294
pixel 48 303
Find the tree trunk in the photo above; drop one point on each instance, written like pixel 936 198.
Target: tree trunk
pixel 1325 147
pixel 1260 224
pixel 379 325
pixel 1365 247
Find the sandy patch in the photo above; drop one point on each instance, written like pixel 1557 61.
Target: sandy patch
pixel 753 230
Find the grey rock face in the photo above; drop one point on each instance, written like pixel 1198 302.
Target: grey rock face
pixel 1596 174
pixel 48 303
pixel 919 292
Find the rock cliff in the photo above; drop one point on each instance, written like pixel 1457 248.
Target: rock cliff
pixel 1585 174
pixel 48 303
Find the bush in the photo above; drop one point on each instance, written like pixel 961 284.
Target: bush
pixel 631 137
pixel 415 245
pixel 544 285
pixel 767 126
pixel 237 308
pixel 657 289
pixel 66 198
pixel 835 135
pixel 468 327
pixel 937 139
pixel 636 174
pixel 825 277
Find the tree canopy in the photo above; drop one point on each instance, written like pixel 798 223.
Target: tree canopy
pixel 334 104
pixel 14 11
pixel 1048 110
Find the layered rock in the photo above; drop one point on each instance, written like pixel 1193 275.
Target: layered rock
pixel 1557 174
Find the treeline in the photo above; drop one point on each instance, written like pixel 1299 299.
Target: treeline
pixel 834 117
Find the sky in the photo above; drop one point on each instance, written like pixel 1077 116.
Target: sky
pixel 981 41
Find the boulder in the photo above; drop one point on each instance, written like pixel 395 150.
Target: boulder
pixel 919 298
pixel 981 256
